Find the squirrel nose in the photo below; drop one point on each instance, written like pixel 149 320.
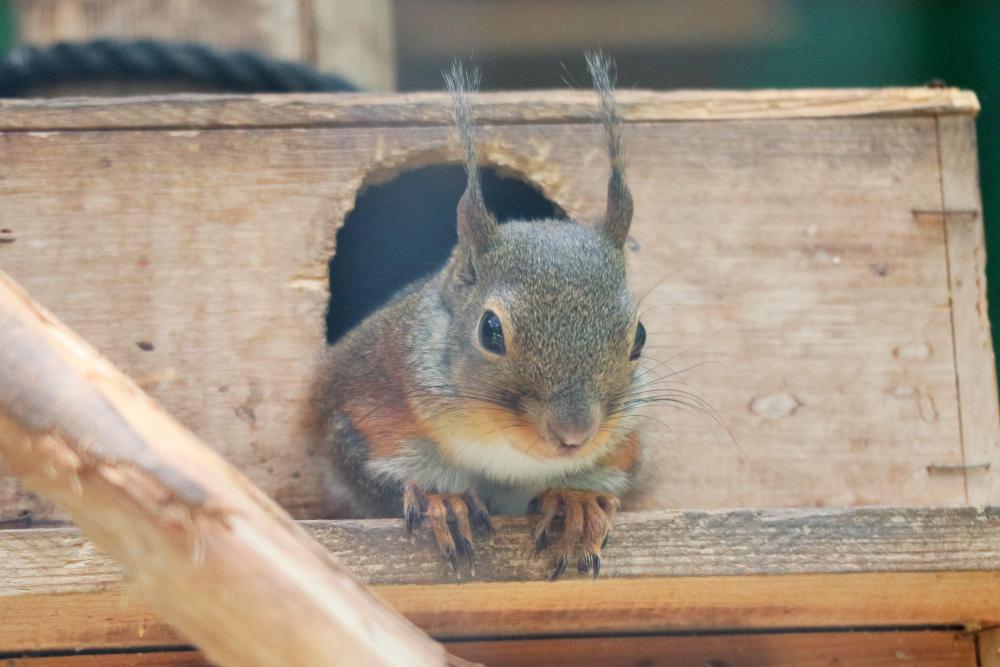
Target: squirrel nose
pixel 571 435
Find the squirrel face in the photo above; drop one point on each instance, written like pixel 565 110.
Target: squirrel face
pixel 543 329
pixel 542 334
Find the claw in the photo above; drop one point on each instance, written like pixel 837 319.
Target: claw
pixel 483 522
pixel 586 524
pixel 465 546
pixel 452 557
pixel 588 563
pixel 438 509
pixel 559 569
pixel 412 520
pixel 541 541
pixel 479 514
pixel 411 508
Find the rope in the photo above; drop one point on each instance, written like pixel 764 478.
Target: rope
pixel 114 60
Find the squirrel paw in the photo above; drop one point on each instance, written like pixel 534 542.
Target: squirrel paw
pixel 587 520
pixel 465 509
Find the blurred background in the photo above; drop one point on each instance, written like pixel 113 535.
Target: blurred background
pixel 405 44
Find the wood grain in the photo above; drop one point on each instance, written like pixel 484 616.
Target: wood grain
pixel 643 544
pixel 976 369
pixel 545 106
pixel 943 649
pixel 807 649
pixel 470 611
pixel 179 658
pixel 988 647
pixel 215 556
pixel 787 273
pixel 664 571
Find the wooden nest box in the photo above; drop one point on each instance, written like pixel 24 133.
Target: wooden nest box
pixel 813 261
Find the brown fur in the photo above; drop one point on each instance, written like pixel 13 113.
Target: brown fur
pixel 419 414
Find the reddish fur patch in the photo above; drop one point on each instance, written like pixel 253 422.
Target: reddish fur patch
pixel 384 425
pixel 625 455
pixel 378 407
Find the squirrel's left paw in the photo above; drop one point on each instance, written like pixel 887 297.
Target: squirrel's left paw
pixel 465 509
pixel 587 521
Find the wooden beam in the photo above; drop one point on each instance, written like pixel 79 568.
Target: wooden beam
pixel 975 365
pixel 221 561
pixel 546 106
pixel 642 545
pixel 819 649
pixel 807 649
pixel 665 571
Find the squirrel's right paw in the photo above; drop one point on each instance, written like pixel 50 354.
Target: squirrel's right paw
pixel 465 509
pixel 587 523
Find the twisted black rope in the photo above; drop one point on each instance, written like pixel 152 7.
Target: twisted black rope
pixel 150 60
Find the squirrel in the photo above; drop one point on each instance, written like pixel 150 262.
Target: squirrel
pixel 505 379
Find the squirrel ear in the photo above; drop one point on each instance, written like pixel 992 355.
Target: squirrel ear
pixel 476 226
pixel 618 217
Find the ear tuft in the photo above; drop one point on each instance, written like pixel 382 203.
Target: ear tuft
pixel 618 217
pixel 476 226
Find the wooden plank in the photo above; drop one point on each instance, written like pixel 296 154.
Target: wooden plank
pixel 929 648
pixel 643 544
pixel 217 558
pixel 114 617
pixel 180 658
pixel 560 106
pixel 974 358
pixel 354 40
pixel 988 647
pixel 664 571
pixel 945 649
pixel 784 252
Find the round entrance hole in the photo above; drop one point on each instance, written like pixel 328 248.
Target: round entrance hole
pixel 404 229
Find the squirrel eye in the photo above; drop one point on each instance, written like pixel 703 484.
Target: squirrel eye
pixel 491 333
pixel 640 340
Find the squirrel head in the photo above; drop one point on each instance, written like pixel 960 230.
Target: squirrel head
pixel 543 329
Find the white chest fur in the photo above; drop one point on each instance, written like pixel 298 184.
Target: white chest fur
pixel 499 459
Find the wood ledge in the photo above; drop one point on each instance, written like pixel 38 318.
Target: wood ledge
pixel 642 545
pixel 664 572
pixel 432 108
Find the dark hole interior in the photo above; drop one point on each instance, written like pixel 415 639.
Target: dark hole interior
pixel 404 229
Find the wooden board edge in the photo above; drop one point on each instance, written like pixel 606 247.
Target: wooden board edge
pixel 844 648
pixel 653 544
pixel 432 108
pixel 975 364
pixel 452 612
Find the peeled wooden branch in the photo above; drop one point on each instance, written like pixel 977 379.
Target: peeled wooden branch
pixel 217 558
